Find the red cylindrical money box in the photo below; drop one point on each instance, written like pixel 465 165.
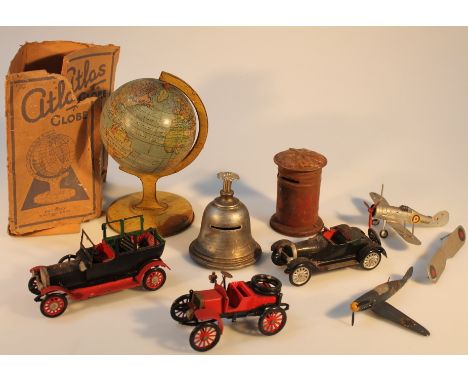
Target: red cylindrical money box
pixel 297 201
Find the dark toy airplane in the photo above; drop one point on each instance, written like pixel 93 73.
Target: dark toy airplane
pixel 376 300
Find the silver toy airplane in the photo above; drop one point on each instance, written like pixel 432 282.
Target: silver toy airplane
pixel 398 217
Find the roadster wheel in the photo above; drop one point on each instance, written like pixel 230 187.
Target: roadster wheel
pixel 205 337
pixel 278 258
pixel 67 258
pixel 32 286
pixel 370 260
pixel 54 305
pixel 383 233
pixel 179 308
pixel 154 279
pixel 300 275
pixel 272 321
pixel 265 284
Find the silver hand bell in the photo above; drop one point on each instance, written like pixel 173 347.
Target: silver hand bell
pixel 225 240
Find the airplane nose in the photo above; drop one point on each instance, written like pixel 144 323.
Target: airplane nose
pixel 354 306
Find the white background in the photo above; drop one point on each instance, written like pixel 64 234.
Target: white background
pixel 384 105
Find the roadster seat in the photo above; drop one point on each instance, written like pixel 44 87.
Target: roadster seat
pixel 233 295
pixel 237 291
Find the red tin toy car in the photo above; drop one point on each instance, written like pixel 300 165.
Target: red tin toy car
pixel 118 262
pixel 205 309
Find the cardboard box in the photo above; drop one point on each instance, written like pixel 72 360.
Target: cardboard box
pixel 56 162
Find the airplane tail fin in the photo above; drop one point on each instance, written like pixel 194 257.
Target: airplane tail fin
pixel 440 218
pixel 407 275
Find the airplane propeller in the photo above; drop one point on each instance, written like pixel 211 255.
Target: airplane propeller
pixel 371 209
pixel 352 319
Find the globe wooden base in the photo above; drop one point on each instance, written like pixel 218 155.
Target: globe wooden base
pixel 177 216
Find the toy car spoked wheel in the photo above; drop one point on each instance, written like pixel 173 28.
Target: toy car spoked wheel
pixel 265 284
pixel 370 260
pixel 300 275
pixel 383 233
pixel 179 308
pixel 272 321
pixel 278 258
pixel 67 258
pixel 373 236
pixel 154 279
pixel 54 305
pixel 205 337
pixel 32 286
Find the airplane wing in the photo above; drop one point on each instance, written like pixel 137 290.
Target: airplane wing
pixel 450 246
pixel 376 198
pixel 385 310
pixel 404 233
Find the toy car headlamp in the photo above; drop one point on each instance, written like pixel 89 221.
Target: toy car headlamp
pixel 198 300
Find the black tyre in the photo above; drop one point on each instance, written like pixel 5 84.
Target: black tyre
pixel 383 233
pixel 278 258
pixel 32 286
pixel 265 284
pixel 300 275
pixel 370 260
pixel 373 236
pixel 154 279
pixel 54 305
pixel 67 258
pixel 179 308
pixel 205 337
pixel 272 321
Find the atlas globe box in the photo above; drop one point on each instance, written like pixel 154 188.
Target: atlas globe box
pixel 54 92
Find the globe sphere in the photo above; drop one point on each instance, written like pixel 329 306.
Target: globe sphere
pixel 148 126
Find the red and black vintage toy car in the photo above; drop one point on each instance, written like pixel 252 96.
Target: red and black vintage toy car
pixel 205 309
pixel 118 262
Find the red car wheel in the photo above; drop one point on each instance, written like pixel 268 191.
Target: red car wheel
pixel 54 305
pixel 154 279
pixel 272 321
pixel 204 337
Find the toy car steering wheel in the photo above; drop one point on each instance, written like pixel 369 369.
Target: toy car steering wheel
pixel 265 284
pixel 226 274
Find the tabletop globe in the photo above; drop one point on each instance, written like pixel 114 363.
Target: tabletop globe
pixel 149 126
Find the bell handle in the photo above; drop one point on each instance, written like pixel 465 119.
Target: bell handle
pixel 202 121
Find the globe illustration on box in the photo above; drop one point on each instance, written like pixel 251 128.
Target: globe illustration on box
pixel 149 126
pixel 48 160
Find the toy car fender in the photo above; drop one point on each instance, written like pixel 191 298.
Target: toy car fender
pixel 54 288
pixel 208 315
pixel 300 261
pixel 149 265
pixel 366 250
